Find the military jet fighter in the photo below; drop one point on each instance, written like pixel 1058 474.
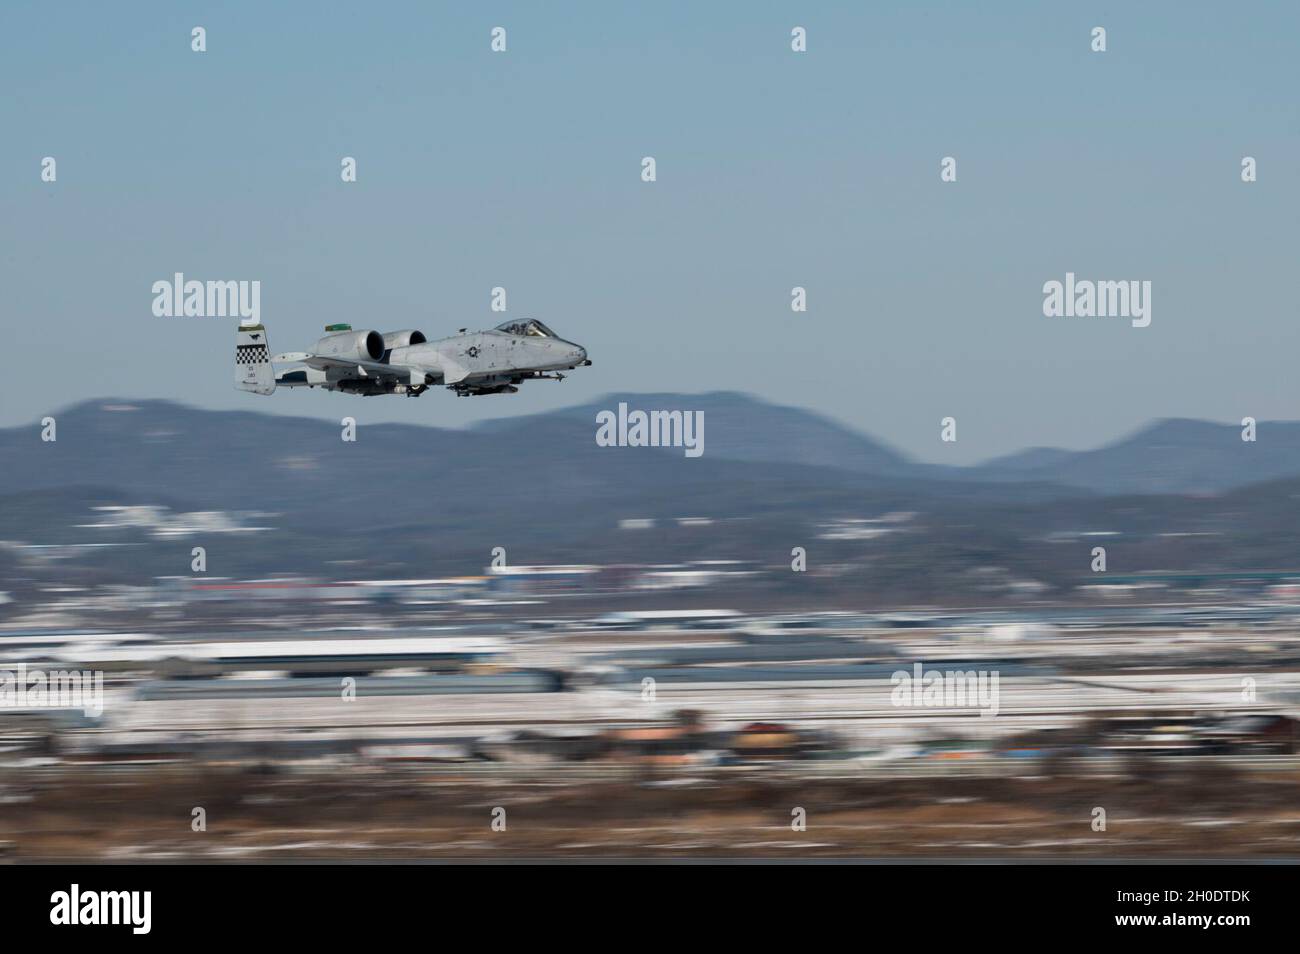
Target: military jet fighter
pixel 495 361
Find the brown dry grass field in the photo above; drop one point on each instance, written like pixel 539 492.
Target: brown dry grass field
pixel 367 814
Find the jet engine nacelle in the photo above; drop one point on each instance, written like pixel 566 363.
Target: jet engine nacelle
pixel 352 346
pixel 402 339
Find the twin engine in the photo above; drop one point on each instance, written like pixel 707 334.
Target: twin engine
pixel 352 346
pixel 403 339
pixel 349 345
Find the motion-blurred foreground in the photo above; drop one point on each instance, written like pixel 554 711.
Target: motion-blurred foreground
pixel 710 698
pixel 639 733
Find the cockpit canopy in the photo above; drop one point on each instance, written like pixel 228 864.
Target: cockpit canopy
pixel 530 328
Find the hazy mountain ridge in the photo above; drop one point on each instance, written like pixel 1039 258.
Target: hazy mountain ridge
pixel 740 427
pixel 408 499
pixel 101 444
pixel 1172 455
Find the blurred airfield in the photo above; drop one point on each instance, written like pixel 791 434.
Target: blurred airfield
pixel 666 732
pixel 345 679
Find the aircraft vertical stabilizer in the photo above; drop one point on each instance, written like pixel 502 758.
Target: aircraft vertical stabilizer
pixel 253 371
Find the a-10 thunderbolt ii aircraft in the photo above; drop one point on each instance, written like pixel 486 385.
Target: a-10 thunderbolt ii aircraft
pixel 495 361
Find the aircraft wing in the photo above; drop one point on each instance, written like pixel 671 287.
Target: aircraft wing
pixel 414 373
pixel 365 368
pixel 452 371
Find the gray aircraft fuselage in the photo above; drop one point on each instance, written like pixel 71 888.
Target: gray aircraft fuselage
pixel 492 357
pixel 364 362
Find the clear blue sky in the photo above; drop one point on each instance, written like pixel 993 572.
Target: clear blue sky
pixel 775 169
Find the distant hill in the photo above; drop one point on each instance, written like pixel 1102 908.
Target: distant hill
pixel 414 500
pixel 417 499
pixel 228 458
pixel 240 460
pixel 740 427
pixel 1168 456
pixel 237 460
